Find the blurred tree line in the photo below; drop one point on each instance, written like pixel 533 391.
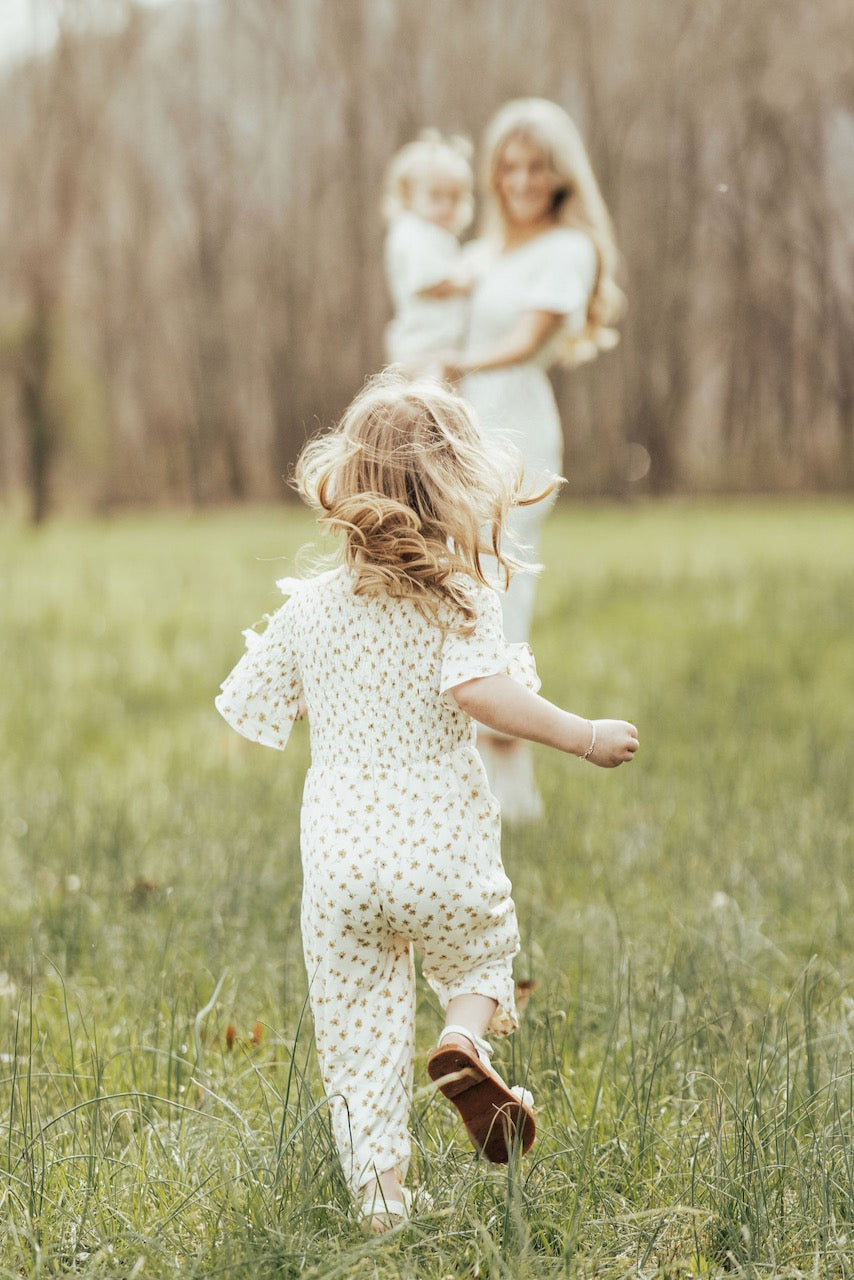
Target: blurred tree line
pixel 191 275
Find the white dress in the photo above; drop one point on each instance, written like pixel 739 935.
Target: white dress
pixel 418 255
pixel 400 835
pixel 554 272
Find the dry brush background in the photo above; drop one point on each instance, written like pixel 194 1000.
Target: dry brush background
pixel 190 239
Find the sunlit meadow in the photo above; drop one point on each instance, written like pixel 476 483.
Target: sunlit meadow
pixel 686 920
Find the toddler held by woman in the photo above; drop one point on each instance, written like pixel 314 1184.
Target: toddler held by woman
pixel 428 204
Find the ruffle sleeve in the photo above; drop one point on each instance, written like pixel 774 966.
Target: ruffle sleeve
pixel 263 695
pixel 485 652
pixel 559 275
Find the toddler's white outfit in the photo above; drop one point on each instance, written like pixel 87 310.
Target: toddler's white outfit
pixel 400 835
pixel 418 255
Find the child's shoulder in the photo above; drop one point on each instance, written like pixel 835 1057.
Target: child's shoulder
pixel 481 596
pixel 303 588
pixel 470 585
pixel 299 593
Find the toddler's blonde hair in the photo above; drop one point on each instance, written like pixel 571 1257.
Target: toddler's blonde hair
pixel 578 203
pixel 429 153
pixel 419 494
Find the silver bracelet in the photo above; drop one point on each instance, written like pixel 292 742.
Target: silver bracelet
pixel 589 752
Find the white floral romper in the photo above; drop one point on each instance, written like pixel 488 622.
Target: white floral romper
pixel 400 835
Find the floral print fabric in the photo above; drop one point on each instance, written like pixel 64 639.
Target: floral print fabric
pixel 400 835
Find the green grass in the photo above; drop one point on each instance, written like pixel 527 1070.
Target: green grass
pixel 686 920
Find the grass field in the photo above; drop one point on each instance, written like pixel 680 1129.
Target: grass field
pixel 686 920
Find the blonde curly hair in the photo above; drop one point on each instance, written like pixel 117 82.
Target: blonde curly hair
pixel 419 494
pixel 428 155
pixel 578 203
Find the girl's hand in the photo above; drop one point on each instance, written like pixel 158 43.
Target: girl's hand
pixel 616 743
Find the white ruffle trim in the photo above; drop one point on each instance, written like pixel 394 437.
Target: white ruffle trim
pixel 288 586
pixel 522 666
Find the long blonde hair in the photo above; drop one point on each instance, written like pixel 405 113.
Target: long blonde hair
pixel 420 496
pixel 578 203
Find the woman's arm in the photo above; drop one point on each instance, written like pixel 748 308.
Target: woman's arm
pixel 530 332
pixel 506 706
pixel 447 288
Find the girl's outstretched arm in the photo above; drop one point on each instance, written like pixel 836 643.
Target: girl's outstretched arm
pixel 504 705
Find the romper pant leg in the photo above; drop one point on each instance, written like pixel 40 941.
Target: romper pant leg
pixel 362 995
pixel 446 887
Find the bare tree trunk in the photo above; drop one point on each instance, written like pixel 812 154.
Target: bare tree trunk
pixel 34 364
pixel 236 213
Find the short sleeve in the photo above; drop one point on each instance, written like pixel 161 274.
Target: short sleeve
pixel 559 276
pixel 485 652
pixel 262 697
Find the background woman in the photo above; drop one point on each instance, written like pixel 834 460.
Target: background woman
pixel 546 293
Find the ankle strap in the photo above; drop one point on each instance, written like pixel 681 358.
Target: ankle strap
pixel 482 1048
